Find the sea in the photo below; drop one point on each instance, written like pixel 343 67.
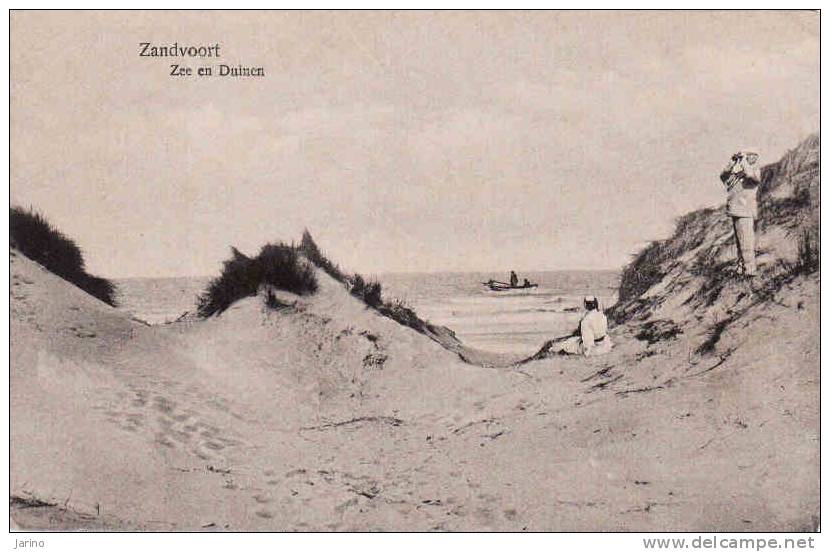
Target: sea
pixel 517 321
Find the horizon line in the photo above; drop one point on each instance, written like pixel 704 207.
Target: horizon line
pixel 387 272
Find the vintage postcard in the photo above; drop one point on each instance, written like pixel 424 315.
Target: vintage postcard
pixel 413 271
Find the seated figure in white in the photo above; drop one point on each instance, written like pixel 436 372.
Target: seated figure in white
pixel 591 338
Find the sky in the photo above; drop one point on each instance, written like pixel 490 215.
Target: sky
pixel 404 141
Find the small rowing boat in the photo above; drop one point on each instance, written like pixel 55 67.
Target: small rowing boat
pixel 495 285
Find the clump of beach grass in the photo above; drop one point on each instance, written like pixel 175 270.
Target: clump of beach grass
pixel 33 235
pixel 368 291
pixel 649 266
pixel 309 248
pixel 277 265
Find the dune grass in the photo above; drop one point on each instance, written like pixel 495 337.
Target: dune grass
pixel 308 247
pixel 809 251
pixel 701 251
pixel 33 235
pixel 649 266
pixel 278 265
pixel 282 267
pixel 369 292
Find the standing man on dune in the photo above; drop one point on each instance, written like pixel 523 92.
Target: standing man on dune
pixel 742 176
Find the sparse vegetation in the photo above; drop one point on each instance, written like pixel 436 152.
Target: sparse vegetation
pixel 809 252
pixel 32 235
pixel 367 291
pixel 278 265
pixel 370 292
pixel 650 265
pixel 403 314
pixel 698 262
pixel 308 247
pixel 714 336
pixel 658 330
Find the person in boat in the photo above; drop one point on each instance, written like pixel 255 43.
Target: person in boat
pixel 526 283
pixel 591 337
pixel 514 280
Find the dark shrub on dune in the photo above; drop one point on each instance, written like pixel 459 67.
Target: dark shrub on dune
pixel 277 265
pixel 32 235
pixel 98 287
pixel 282 268
pixel 240 278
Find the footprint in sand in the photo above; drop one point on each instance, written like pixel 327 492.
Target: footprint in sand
pixel 172 426
pixel 140 399
pixel 133 422
pixel 163 404
pixel 206 450
pixel 162 440
pixel 184 427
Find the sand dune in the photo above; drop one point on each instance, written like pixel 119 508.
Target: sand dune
pixel 327 416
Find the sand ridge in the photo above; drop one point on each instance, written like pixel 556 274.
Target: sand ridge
pixel 326 416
